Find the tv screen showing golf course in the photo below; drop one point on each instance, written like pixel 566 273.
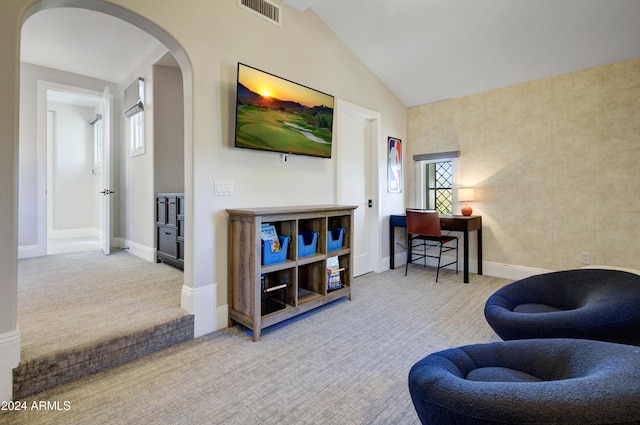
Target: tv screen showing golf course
pixel 276 114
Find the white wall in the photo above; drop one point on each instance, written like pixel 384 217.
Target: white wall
pixel 303 50
pixel 72 191
pixel 168 121
pixel 138 183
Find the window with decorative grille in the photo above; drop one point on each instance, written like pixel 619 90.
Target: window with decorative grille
pixel 439 186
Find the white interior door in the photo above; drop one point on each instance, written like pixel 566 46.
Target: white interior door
pixel 106 171
pixel 355 166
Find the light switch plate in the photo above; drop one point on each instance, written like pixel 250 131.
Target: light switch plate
pixel 223 188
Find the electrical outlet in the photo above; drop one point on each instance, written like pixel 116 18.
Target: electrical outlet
pixel 585 258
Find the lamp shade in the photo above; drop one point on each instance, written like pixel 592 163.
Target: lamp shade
pixel 465 194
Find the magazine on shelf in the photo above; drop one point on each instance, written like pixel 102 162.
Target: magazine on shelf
pixel 270 234
pixel 333 273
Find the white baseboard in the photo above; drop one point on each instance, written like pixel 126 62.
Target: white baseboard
pixel 88 232
pixel 201 302
pixel 139 250
pixel 28 251
pixel 222 317
pixel 508 271
pixel 401 259
pixel 9 359
pixel 489 268
pixel 119 242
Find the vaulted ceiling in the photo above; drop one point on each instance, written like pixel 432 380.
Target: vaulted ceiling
pixel 430 50
pixel 424 50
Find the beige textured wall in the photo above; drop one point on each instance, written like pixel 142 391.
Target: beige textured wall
pixel 555 163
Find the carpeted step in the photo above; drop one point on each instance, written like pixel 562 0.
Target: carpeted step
pixel 50 370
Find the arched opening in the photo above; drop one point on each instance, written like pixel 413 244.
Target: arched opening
pixel 187 76
pixel 185 68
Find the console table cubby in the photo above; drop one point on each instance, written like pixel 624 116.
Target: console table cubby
pixel 295 285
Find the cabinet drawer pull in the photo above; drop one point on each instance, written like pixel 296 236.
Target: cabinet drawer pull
pixel 168 233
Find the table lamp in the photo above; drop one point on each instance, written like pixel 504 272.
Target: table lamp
pixel 465 194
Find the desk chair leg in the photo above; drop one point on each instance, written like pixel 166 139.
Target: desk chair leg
pixel 406 266
pixel 439 259
pixel 456 251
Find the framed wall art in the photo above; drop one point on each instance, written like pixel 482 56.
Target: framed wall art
pixel 394 165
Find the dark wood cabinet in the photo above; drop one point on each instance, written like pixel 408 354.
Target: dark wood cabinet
pixel 170 229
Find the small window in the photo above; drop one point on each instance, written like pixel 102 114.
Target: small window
pixel 136 134
pixel 96 122
pixel 133 106
pixel 439 186
pixel 435 181
pixel 97 145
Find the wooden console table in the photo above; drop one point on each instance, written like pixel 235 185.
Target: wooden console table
pixel 263 295
pixel 456 223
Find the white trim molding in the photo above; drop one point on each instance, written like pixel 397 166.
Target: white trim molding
pixel 201 302
pixel 508 271
pixel 88 232
pixel 489 268
pixel 9 359
pixel 28 251
pixel 139 250
pixel 222 317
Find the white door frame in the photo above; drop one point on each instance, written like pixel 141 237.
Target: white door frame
pixel 107 142
pixel 377 154
pixel 41 186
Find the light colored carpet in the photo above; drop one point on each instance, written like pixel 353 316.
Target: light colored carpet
pixel 345 363
pixel 82 312
pixel 83 296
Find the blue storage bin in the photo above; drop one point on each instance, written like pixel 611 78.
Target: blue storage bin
pixel 269 257
pixel 307 243
pixel 335 236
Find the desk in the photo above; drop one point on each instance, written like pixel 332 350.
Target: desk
pixel 456 223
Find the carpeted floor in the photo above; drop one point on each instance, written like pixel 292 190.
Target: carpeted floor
pixel 345 363
pixel 82 296
pixel 82 312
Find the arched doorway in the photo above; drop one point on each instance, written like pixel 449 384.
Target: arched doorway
pixel 187 75
pixel 185 69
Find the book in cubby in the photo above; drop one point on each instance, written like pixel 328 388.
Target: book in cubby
pixel 334 279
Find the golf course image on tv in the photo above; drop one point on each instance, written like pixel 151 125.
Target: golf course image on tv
pixel 276 114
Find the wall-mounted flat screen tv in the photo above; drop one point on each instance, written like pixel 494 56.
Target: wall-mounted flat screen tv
pixel 278 115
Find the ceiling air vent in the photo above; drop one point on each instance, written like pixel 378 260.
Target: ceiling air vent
pixel 263 8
